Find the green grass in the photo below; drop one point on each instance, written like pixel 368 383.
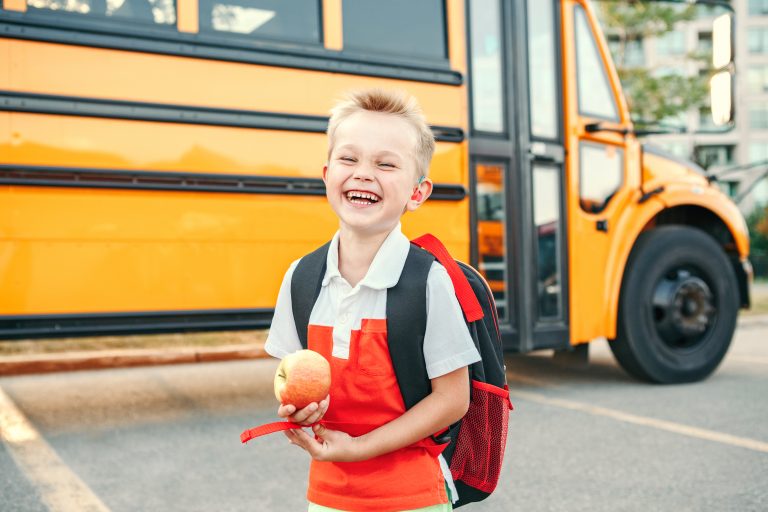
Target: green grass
pixel 198 339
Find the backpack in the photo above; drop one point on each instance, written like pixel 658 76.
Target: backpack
pixel 477 441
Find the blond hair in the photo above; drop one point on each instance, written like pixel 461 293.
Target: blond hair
pixel 396 103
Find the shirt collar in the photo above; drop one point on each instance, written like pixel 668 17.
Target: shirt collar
pixel 386 266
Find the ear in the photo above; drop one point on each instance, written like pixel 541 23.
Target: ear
pixel 420 194
pixel 325 171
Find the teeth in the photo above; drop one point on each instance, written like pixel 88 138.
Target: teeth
pixel 354 194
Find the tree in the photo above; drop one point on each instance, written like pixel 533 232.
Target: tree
pixel 652 97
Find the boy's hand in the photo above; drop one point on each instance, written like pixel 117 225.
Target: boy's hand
pixel 333 445
pixel 307 416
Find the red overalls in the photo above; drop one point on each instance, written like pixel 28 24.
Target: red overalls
pixel 365 395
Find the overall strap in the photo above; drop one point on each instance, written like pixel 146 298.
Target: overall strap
pixel 268 428
pixel 305 288
pixel 406 325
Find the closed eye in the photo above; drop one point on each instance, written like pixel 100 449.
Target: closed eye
pixel 347 159
pixel 387 165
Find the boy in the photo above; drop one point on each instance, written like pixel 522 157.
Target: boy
pixel 369 453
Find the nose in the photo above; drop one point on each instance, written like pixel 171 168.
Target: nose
pixel 363 172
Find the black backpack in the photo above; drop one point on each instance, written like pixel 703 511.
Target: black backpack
pixel 477 441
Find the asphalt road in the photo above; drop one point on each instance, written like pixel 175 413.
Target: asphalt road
pixel 589 438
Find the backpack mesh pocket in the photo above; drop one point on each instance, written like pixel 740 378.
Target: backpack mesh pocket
pixel 482 438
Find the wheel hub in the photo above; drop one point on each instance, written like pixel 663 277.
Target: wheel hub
pixel 683 308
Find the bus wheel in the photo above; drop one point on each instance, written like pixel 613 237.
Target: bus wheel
pixel 678 307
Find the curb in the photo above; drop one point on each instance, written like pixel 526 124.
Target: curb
pixel 103 359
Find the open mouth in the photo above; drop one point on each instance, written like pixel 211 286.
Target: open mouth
pixel 363 198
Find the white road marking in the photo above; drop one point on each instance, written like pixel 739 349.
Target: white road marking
pixel 60 489
pixel 669 426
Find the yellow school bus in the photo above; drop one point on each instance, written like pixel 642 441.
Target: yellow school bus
pixel 160 166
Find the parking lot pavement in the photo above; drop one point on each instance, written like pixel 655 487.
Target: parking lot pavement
pixel 580 438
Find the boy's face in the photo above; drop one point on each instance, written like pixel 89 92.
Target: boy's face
pixel 371 177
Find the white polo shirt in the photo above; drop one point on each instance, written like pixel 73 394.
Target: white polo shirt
pixel 447 343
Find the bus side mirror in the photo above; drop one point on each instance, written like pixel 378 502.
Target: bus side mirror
pixel 721 98
pixel 721 82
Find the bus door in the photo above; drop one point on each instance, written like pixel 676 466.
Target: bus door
pixel 517 168
pixel 602 166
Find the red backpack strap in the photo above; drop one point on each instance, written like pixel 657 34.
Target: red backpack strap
pixel 467 299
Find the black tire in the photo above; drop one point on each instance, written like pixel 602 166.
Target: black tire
pixel 678 307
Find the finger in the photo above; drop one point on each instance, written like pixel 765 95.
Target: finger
pixel 302 415
pixel 298 437
pixel 286 410
pixel 319 430
pixel 310 444
pixel 291 437
pixel 305 441
pixel 322 408
pixel 314 418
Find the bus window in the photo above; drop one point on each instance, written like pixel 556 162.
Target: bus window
pixel 488 104
pixel 601 169
pixel 295 21
pixel 491 212
pixel 160 12
pixel 546 217
pixel 542 70
pixel 400 28
pixel 595 96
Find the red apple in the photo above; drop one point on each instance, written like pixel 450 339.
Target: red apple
pixel 302 378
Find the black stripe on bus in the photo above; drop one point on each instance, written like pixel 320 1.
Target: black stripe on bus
pixel 185 114
pixel 141 322
pixel 48 27
pixel 48 176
